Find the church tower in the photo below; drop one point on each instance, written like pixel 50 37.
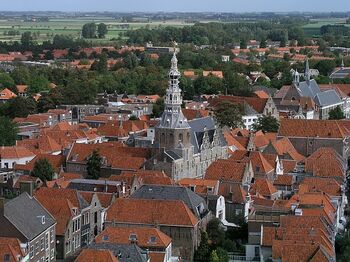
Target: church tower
pixel 173 131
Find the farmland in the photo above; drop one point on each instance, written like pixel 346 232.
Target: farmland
pixel 314 25
pixel 64 26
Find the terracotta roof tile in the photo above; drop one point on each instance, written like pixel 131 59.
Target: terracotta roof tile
pixel 312 128
pixel 94 255
pixel 227 170
pixel 263 187
pixel 15 152
pixel 325 162
pixel 121 235
pixel 318 184
pixel 163 212
pixel 285 147
pixel 258 104
pixel 7 94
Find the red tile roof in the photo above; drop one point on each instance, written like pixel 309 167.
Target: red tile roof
pixel 162 212
pixel 121 235
pixel 325 162
pixel 15 152
pixel 258 104
pixel 7 94
pixel 227 170
pixel 94 255
pixel 317 184
pixel 312 128
pixel 285 147
pixel 263 187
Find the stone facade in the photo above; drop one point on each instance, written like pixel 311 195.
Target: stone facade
pixel 184 149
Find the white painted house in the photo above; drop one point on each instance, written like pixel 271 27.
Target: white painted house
pixel 12 155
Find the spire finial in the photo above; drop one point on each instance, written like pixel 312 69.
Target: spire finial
pixel 307 71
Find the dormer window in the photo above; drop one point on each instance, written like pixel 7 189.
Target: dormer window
pixel 105 238
pixel 43 220
pixel 133 237
pixel 153 240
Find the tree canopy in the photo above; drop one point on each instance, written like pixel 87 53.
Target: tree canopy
pixel 94 164
pixel 8 132
pixel 336 113
pixel 43 170
pixel 229 114
pixel 267 124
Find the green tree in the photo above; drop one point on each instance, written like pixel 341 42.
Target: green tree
pixel 158 108
pixel 101 64
pixel 37 84
pixel 94 164
pixel 20 75
pixel 336 113
pixel 133 117
pixel 267 124
pixel 43 170
pixel 27 39
pixel 20 107
pixel 229 114
pixel 6 81
pixel 8 132
pixel 102 30
pixel 89 30
pixel 203 251
pixel 214 257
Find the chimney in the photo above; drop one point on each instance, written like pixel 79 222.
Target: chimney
pixel 2 206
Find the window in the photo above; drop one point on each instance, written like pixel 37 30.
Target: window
pixel 31 251
pixel 73 243
pixel 52 253
pixel 78 227
pixel 42 244
pixel 52 236
pixel 37 247
pixel 47 240
pixel 7 258
pixel 152 239
pixel 95 217
pixel 68 247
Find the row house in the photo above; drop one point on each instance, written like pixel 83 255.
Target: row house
pixel 11 250
pixel 115 158
pixel 147 238
pixel 27 220
pixel 10 156
pixel 309 135
pixel 79 217
pixel 172 217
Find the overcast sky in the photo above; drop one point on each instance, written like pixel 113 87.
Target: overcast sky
pixel 176 5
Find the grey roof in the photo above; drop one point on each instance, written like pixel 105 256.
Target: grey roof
pixel 341 73
pixel 198 126
pixel 124 252
pixel 191 199
pixel 327 98
pixel 212 201
pixel 321 98
pixel 308 89
pixel 26 213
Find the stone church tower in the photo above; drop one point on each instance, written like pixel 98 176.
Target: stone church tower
pixel 173 130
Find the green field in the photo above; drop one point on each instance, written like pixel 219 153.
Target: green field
pixel 313 28
pixel 72 27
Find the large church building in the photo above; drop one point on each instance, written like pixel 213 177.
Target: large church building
pixel 184 149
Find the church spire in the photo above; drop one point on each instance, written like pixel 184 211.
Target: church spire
pixel 307 71
pixel 172 116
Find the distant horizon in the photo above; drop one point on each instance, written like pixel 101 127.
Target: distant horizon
pixel 183 6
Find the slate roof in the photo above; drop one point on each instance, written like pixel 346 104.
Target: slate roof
pixel 191 199
pixel 321 98
pixel 124 253
pixel 197 132
pixel 25 213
